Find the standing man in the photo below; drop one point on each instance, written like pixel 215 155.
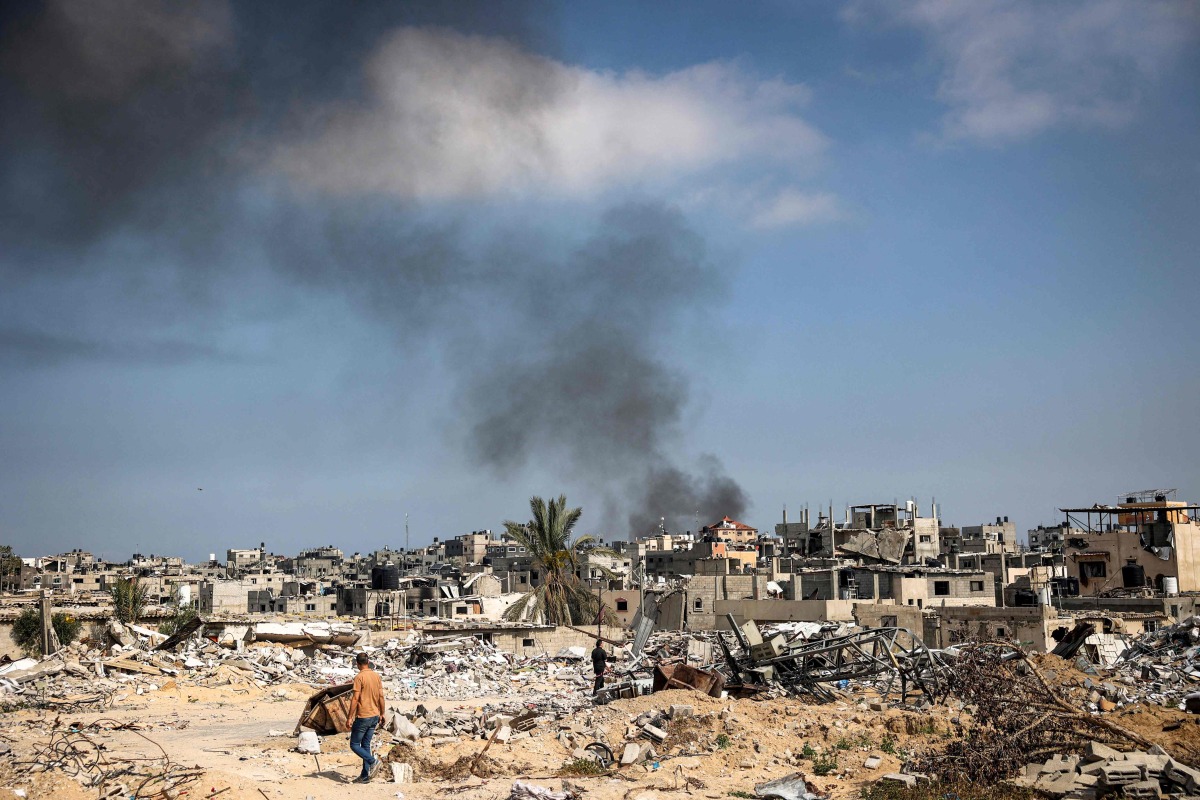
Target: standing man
pixel 599 658
pixel 366 709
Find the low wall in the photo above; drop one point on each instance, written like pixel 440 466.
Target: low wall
pixel 784 611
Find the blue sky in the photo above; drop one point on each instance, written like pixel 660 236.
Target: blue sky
pixel 280 274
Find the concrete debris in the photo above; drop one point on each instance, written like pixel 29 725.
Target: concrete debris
pixel 531 791
pixel 1165 663
pixel 1103 770
pixel 789 787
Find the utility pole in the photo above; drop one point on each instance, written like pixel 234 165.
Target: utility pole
pixel 407 549
pixel 50 643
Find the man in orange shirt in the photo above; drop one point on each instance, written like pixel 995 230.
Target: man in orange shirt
pixel 366 709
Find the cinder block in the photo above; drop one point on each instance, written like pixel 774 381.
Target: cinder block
pixel 1120 773
pixel 1095 751
pixel 1182 776
pixel 1142 789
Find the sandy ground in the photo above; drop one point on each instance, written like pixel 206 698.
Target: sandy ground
pixel 727 746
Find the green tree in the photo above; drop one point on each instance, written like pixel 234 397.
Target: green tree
pixel 27 630
pixel 180 615
pixel 10 567
pixel 562 598
pixel 129 598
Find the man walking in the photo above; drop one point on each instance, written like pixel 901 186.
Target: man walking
pixel 599 659
pixel 367 708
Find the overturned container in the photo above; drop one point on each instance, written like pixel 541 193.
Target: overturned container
pixel 682 676
pixel 328 711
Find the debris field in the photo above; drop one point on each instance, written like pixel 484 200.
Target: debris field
pixel 205 717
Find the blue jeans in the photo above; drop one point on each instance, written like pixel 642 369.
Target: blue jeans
pixel 360 741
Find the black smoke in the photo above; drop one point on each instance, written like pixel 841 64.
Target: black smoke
pixel 133 120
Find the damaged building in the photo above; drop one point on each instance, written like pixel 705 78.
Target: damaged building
pixel 1149 542
pixel 880 533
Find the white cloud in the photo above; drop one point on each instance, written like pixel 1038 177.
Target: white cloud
pixel 449 116
pixel 1015 68
pixel 791 207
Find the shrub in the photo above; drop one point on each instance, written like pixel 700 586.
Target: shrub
pixel 941 791
pixel 180 616
pixel 582 767
pixel 825 764
pixel 723 741
pixel 27 630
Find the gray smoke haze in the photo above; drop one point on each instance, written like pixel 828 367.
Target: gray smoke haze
pixel 579 376
pixel 140 121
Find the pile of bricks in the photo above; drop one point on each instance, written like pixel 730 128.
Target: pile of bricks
pixel 1101 771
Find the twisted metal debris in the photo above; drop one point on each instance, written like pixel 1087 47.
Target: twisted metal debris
pixel 884 657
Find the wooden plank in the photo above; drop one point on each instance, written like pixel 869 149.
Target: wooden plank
pixel 132 666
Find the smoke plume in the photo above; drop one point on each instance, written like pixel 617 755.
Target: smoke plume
pixel 169 150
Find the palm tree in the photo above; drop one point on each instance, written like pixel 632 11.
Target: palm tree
pixel 129 598
pixel 562 598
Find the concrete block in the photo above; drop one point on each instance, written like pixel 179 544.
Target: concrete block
pixel 899 779
pixel 1059 764
pixel 679 712
pixel 1142 789
pixel 1081 793
pixel 872 763
pixel 1152 766
pixel 654 733
pixel 1181 775
pixel 1056 784
pixel 1095 751
pixel 401 773
pixel 631 755
pixel 1120 773
pixel 504 734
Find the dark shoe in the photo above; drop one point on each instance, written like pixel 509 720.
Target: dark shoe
pixel 374 769
pixel 362 779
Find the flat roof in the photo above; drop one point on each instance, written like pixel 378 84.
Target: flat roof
pixel 1140 508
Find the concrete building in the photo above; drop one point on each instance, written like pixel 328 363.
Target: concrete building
pixel 239 561
pixel 878 533
pixel 730 531
pixel 324 563
pixel 997 537
pixel 1051 538
pixel 224 597
pixel 1149 545
pixel 468 548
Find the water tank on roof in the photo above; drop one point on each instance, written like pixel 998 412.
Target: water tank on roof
pixel 1170 585
pixel 388 577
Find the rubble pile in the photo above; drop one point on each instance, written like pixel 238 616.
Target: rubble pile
pixel 1166 662
pixel 1101 770
pixel 414 668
